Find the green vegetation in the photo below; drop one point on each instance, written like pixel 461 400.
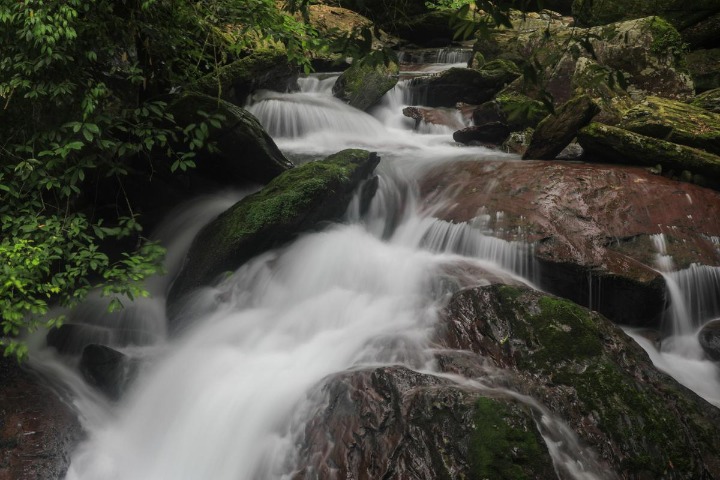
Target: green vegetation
pixel 84 88
pixel 504 445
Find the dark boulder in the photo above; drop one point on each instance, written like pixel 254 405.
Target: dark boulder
pixel 72 338
pixel 704 67
pixel 586 370
pixel 458 85
pixel 516 110
pixel 107 369
pixel 590 226
pixel 490 133
pixel 556 131
pixel 38 429
pixel 427 30
pixel 709 337
pixel 296 201
pixel 703 34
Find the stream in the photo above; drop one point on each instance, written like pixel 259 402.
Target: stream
pixel 228 397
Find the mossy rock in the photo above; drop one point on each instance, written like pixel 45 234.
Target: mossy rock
pixel 266 68
pixel 516 110
pixel 709 100
pixel 583 368
pixel 556 131
pixel 296 201
pixel 704 67
pixel 605 143
pixel 675 122
pixel 364 83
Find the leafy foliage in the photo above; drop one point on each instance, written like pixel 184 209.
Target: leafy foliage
pixel 83 90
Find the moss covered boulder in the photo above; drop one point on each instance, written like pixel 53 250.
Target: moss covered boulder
pixel 675 122
pixel 392 422
pixel 604 143
pixel 365 82
pixel 266 68
pixel 611 63
pixel 296 201
pixel 556 131
pixel 584 369
pixel 516 110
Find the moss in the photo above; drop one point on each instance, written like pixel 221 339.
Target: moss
pixel 520 110
pixel 709 100
pixel 503 445
pixel 612 144
pixel 666 38
pixel 365 82
pixel 500 64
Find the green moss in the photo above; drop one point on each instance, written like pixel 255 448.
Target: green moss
pixel 365 82
pixel 520 110
pixel 666 38
pixel 500 64
pixel 504 445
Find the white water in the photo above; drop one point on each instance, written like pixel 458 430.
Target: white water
pixel 228 398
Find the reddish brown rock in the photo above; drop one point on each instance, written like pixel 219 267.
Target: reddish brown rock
pixel 591 225
pixel 434 116
pixel 37 429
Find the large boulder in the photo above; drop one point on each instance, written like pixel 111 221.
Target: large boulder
pixel 709 337
pixel 556 131
pixel 365 82
pixel 392 422
pixel 296 201
pixel 516 110
pixel 337 25
pixel 266 68
pixel 604 143
pixel 639 421
pixel 455 85
pixel 591 226
pixel 675 122
pixel 38 429
pixel 704 67
pixel 488 133
pixel 107 369
pixel 609 63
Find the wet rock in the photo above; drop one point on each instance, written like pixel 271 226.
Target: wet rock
pixel 556 131
pixel 434 116
pixel 296 201
pixel 364 83
pixel 704 67
pixel 590 373
pixel 107 369
pixel 590 224
pixel 38 430
pixel 709 100
pixel 266 68
pixel 393 422
pixel 458 85
pixel 675 122
pixel 489 133
pixel 517 142
pixel 604 143
pixel 709 337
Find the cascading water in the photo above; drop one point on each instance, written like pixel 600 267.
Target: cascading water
pixel 694 300
pixel 226 399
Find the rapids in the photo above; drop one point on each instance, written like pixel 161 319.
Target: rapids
pixel 228 397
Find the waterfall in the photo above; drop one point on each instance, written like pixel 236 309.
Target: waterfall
pixel 226 398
